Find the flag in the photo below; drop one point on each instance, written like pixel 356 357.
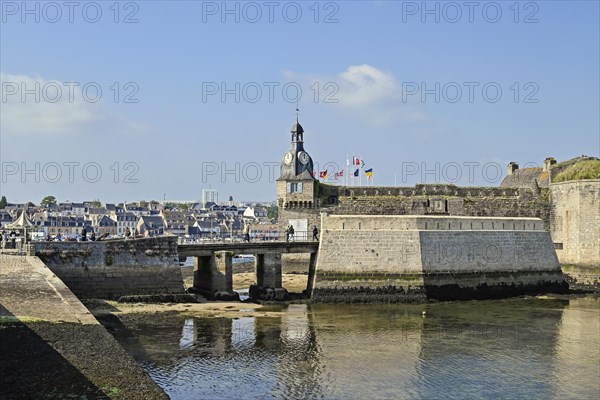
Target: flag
pixel 369 173
pixel 355 160
pixel 323 174
pixel 356 172
pixel 339 174
pixel 347 161
pixel 314 174
pixel 362 163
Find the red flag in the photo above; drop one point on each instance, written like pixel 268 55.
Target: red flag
pixel 323 174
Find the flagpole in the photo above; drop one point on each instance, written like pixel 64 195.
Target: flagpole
pixel 359 171
pixel 347 162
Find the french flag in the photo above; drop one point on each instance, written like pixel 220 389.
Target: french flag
pixel 355 160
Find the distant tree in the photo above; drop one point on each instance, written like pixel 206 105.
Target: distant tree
pixel 48 201
pixel 96 203
pixel 230 198
pixel 30 204
pixel 3 202
pixel 177 206
pixel 272 212
pixel 143 203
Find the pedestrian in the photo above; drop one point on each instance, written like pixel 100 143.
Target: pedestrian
pixel 2 240
pixel 13 239
pixel 93 236
pixel 292 233
pixel 315 233
pixel 247 233
pixel 83 234
pixel 127 233
pixel 287 233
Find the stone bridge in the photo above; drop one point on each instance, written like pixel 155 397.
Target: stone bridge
pixel 213 271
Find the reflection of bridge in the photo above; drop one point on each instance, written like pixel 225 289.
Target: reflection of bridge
pixel 213 268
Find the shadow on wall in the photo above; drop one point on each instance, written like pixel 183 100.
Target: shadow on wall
pixel 31 368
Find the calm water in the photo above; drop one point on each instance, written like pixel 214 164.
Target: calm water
pixel 517 348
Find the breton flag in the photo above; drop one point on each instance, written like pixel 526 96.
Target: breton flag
pixel 355 160
pixel 369 173
pixel 356 172
pixel 323 174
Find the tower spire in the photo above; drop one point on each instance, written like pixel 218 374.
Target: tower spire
pixel 297 111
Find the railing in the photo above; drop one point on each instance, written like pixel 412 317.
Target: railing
pixel 256 237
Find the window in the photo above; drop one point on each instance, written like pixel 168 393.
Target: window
pixel 294 187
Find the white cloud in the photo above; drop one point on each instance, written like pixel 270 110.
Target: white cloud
pixel 368 93
pixel 364 85
pixel 33 106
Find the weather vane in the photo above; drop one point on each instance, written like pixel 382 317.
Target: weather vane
pixel 297 111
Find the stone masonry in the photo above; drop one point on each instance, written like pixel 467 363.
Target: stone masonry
pixel 110 269
pixel 408 257
pixel 575 222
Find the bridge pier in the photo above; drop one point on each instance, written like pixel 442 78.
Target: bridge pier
pixel 267 267
pixel 312 269
pixel 268 270
pixel 213 275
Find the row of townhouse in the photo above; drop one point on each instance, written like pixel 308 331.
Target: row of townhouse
pixel 148 219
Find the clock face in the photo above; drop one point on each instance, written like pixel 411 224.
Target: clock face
pixel 303 157
pixel 288 158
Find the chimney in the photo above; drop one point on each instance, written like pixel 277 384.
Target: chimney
pixel 512 167
pixel 548 163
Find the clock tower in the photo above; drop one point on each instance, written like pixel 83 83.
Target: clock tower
pixel 296 187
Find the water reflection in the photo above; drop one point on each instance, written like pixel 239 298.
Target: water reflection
pixel 577 351
pixel 518 348
pixel 188 335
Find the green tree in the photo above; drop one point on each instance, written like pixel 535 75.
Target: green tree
pixel 272 212
pixel 96 203
pixel 3 202
pixel 48 201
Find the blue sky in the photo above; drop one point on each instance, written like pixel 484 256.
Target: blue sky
pixel 372 58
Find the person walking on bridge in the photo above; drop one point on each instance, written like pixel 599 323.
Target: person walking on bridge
pixel 247 232
pixel 315 233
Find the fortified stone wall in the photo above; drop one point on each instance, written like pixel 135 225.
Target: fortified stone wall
pixel 438 199
pixel 110 269
pixel 575 222
pixel 414 257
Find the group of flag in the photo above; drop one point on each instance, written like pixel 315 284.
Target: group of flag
pixel 355 161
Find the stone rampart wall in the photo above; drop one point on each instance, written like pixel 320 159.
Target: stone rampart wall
pixel 441 257
pixel 110 269
pixel 575 218
pixel 440 200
